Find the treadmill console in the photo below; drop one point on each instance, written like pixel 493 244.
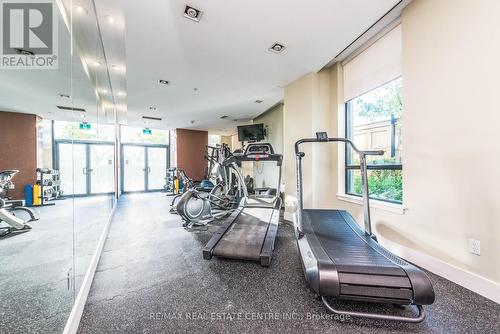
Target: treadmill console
pixel 321 136
pixel 256 150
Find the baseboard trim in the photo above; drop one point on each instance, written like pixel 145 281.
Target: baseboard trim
pixel 77 310
pixel 469 280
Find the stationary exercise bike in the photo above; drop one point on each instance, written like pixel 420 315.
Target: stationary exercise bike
pixel 11 211
pixel 200 206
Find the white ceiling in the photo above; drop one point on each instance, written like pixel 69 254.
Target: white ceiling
pixel 225 56
pixel 37 91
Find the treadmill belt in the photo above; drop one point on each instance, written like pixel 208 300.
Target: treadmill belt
pixel 244 239
pixel 349 251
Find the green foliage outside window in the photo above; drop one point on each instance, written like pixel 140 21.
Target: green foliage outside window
pixel 382 103
pixel 383 184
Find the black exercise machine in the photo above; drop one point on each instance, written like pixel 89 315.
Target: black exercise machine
pixel 249 233
pixel 341 260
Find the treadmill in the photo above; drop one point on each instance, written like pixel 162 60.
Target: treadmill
pixel 249 233
pixel 343 261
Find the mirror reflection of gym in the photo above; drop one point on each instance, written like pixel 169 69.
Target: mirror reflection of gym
pixel 57 173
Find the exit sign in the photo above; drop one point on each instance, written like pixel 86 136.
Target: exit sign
pixel 147 131
pixel 84 126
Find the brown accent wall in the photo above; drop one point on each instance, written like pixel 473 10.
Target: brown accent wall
pixel 18 148
pixel 191 152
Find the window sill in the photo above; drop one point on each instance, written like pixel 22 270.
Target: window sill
pixel 390 207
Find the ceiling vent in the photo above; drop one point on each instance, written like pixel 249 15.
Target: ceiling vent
pixel 277 48
pixel 71 108
pixel 152 118
pixel 192 13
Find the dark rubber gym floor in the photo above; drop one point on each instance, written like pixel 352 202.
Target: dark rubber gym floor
pixel 34 292
pixel 152 279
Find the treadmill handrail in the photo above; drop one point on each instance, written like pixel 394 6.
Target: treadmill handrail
pixel 322 137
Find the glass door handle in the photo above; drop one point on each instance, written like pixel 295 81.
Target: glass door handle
pixel 149 169
pixel 84 170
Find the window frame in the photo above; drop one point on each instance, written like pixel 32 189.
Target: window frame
pixel 347 155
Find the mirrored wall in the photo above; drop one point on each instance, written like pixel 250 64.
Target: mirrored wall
pixel 58 156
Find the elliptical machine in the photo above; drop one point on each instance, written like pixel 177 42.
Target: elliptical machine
pixel 11 211
pixel 187 183
pixel 200 206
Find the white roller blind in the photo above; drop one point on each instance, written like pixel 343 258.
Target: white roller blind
pixel 378 64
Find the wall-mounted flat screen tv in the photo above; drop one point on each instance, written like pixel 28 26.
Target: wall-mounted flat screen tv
pixel 253 132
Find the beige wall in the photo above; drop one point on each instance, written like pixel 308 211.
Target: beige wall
pixel 308 105
pixel 267 174
pixel 273 122
pixel 451 153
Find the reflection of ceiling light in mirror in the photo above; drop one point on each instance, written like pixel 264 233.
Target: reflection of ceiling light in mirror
pixel 110 19
pixel 103 91
pixel 97 63
pixel 81 10
pixel 121 94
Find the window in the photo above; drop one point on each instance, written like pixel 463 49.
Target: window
pixel 373 121
pixel 84 131
pixel 214 140
pixel 143 135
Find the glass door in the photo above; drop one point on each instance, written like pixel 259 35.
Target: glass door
pixel 134 168
pixel 156 167
pixel 101 171
pixel 144 167
pixel 86 168
pixel 73 168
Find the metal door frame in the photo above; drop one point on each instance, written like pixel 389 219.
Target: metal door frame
pixel 146 165
pixel 88 144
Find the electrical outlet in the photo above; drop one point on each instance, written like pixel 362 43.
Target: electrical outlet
pixel 475 246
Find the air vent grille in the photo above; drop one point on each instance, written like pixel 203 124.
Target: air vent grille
pixel 71 108
pixel 152 118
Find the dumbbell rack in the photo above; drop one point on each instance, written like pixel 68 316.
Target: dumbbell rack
pixel 170 178
pixel 50 183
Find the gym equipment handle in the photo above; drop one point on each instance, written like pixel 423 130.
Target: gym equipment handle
pixel 322 137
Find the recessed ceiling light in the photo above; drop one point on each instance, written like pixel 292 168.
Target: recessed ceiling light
pixel 66 96
pixel 192 122
pixel 110 19
pixel 224 117
pixel 80 10
pixel 195 89
pixel 258 101
pixel 192 13
pixel 164 82
pixel 277 47
pixel 152 108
